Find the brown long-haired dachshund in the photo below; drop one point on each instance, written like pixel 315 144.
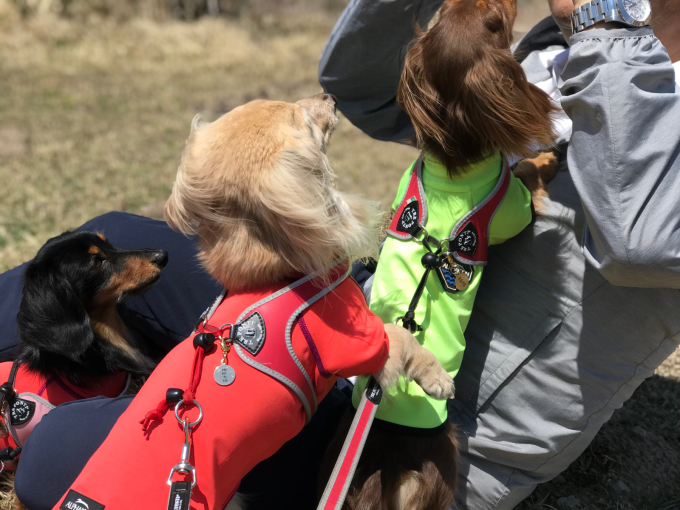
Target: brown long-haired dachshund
pixel 465 93
pixel 468 99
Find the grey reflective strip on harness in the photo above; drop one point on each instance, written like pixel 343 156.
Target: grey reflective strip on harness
pixel 289 344
pixel 279 377
pixel 309 411
pixel 8 410
pixel 418 169
pixel 505 168
pixel 211 309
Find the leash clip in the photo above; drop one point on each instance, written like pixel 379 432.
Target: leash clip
pixel 408 323
pixel 184 468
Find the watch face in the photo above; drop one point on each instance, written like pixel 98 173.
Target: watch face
pixel 635 11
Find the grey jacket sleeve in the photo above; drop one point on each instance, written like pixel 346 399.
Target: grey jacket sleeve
pixel 362 62
pixel 624 154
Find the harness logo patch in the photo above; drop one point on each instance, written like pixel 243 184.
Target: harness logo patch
pixel 409 218
pixel 466 241
pixel 455 277
pixel 21 411
pixel 251 333
pixel 76 501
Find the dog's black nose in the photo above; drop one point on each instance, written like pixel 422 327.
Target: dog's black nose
pixel 160 258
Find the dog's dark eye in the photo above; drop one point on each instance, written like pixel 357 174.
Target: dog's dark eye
pixel 97 263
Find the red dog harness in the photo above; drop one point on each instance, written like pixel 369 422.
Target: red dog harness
pixel 469 239
pixel 28 396
pixel 274 316
pixel 279 312
pixel 298 344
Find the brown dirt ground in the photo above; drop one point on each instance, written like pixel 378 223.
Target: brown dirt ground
pixel 93 118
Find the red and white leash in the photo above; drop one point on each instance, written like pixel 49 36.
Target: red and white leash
pixel 343 472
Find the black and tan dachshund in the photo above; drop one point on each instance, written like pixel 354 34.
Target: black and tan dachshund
pixel 68 322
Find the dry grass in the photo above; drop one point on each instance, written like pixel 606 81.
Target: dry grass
pixel 93 118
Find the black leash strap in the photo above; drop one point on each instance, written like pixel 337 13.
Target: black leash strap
pixel 430 261
pixel 8 393
pixel 7 389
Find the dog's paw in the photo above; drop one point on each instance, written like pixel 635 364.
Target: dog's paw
pixel 426 370
pixel 437 384
pixel 535 174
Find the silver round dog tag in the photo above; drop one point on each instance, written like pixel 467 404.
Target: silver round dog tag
pixel 224 375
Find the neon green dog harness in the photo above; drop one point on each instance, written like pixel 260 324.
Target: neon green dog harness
pixel 485 205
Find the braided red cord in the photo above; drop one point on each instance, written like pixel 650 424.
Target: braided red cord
pixel 196 371
pixel 154 414
pixel 188 398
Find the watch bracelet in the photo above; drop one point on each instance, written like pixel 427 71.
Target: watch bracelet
pixel 594 12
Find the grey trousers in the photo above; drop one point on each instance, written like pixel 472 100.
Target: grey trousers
pixel 552 350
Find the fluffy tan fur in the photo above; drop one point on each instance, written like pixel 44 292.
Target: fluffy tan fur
pixel 8 497
pixel 405 357
pixel 258 189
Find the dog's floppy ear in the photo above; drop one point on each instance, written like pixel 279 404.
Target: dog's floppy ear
pixel 197 123
pixel 51 317
pixel 512 114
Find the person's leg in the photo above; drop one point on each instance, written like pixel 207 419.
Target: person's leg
pixel 60 446
pixel 552 350
pixel 546 414
pixel 11 284
pixel 166 314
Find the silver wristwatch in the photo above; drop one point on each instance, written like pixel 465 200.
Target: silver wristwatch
pixel 629 12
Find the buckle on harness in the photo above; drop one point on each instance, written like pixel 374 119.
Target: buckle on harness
pixel 427 238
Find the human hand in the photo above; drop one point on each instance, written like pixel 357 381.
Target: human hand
pixel 561 12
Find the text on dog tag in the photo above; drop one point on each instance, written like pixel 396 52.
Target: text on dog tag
pixel 224 375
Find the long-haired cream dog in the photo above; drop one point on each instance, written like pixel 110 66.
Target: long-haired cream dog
pixel 257 188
